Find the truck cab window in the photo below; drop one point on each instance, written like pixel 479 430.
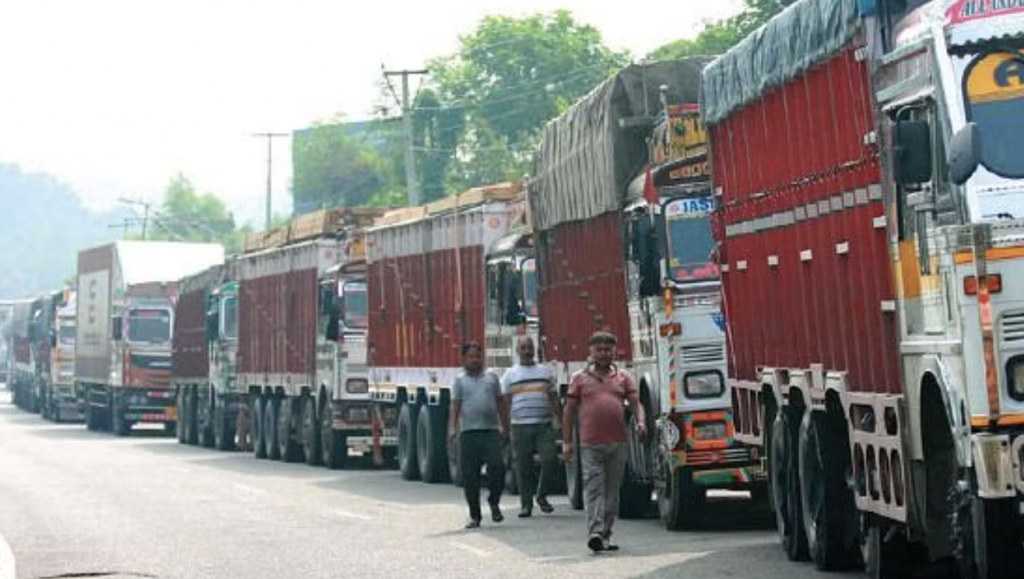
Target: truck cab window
pixel 149 325
pixel 355 305
pixel 689 240
pixel 529 275
pixel 229 317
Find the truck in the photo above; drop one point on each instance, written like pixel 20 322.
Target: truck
pixel 300 365
pixel 439 275
pixel 51 337
pixel 623 240
pixel 22 373
pixel 868 216
pixel 5 340
pixel 126 292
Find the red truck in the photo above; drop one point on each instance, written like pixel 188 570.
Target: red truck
pixel 869 187
pixel 441 275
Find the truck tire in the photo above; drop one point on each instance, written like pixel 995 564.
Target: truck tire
pixel 333 443
pixel 885 559
pixel 785 481
pixel 430 445
pixel 993 541
pixel 310 433
pixel 179 424
pixel 574 473
pixel 90 418
pixel 407 460
pixel 191 421
pixel 828 511
pixel 223 425
pixel 634 496
pixel 118 424
pixel 680 503
pixel 288 447
pixel 271 436
pixel 204 421
pixel 257 428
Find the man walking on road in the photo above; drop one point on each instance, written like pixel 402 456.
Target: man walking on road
pixel 530 387
pixel 597 393
pixel 477 401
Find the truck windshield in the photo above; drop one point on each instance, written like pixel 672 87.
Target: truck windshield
pixel 529 268
pixel 229 315
pixel 690 244
pixel 66 334
pixel 994 98
pixel 151 325
pixel 355 305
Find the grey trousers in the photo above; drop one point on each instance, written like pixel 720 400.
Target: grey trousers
pixel 603 467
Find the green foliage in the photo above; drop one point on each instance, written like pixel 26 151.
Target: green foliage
pixel 721 36
pixel 187 215
pixel 335 165
pixel 488 102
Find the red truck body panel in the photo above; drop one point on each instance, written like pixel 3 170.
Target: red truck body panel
pixel 800 152
pixel 189 356
pixel 423 307
pixel 582 287
pixel 277 323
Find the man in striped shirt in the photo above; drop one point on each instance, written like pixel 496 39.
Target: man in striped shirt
pixel 531 389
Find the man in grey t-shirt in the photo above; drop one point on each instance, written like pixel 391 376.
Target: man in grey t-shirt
pixel 479 414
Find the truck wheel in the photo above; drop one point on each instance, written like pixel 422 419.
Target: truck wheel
pixel 223 425
pixel 333 443
pixel 430 445
pixel 204 421
pixel 291 451
pixel 574 473
pixel 258 430
pixel 454 464
pixel 828 512
pixel 311 433
pixel 191 422
pixel 119 426
pixel 883 559
pixel 785 481
pixel 90 418
pixel 993 541
pixel 679 501
pixel 271 411
pixel 634 496
pixel 179 424
pixel 407 462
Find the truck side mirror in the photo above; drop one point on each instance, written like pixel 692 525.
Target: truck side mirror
pixel 645 253
pixel 964 154
pixel 116 331
pixel 913 152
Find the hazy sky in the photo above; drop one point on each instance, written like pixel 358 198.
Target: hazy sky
pixel 116 96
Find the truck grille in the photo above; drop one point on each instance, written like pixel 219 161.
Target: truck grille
pixel 718 457
pixel 703 354
pixel 1012 327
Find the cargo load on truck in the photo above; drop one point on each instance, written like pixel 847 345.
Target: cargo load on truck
pixel 868 218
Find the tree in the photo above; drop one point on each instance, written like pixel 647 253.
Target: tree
pixel 720 36
pixel 186 215
pixel 336 164
pixel 480 120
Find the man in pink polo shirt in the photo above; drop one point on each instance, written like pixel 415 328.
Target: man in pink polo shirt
pixel 598 394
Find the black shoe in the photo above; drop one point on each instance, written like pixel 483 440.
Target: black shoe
pixel 496 515
pixel 544 505
pixel 525 513
pixel 596 543
pixel 473 524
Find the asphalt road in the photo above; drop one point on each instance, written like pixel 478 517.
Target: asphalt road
pixel 80 504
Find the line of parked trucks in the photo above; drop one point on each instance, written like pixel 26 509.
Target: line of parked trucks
pixel 810 252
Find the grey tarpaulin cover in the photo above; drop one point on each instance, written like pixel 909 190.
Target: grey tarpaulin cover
pixel 585 160
pixel 792 42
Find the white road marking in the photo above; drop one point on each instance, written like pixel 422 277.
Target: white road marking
pixel 7 565
pixel 470 549
pixel 351 515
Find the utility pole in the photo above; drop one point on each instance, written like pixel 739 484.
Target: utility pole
pixel 412 182
pixel 145 212
pixel 270 165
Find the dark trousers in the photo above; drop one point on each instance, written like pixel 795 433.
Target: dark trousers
pixel 479 447
pixel 527 440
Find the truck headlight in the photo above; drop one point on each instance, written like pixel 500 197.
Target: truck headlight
pixel 1015 377
pixel 707 384
pixel 357 386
